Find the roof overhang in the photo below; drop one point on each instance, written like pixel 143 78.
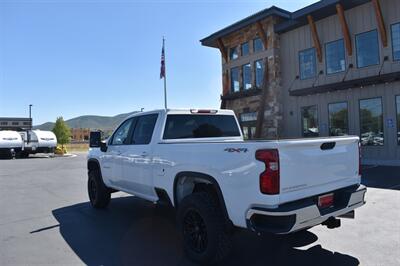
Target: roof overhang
pixel 211 40
pixel 318 11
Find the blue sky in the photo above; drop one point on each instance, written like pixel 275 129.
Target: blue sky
pixel 72 58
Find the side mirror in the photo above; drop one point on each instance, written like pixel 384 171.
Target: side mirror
pixel 95 139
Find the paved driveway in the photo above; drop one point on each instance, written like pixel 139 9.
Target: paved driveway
pixel 45 218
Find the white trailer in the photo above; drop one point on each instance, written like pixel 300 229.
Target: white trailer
pixel 10 143
pixel 38 141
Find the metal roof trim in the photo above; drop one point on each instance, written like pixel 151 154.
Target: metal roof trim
pixel 271 11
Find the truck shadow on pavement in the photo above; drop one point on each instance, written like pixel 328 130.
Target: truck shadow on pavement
pixel 385 177
pixel 134 232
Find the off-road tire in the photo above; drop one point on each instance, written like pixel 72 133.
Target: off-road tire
pixel 218 239
pixel 99 194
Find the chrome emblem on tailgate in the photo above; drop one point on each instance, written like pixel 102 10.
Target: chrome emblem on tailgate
pixel 238 150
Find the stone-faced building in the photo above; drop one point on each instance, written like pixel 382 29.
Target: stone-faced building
pixel 329 69
pixel 250 62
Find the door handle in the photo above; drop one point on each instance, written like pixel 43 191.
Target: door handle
pixel 144 154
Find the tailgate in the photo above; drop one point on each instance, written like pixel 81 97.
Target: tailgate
pixel 315 166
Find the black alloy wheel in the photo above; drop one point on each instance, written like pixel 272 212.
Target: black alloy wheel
pixel 195 231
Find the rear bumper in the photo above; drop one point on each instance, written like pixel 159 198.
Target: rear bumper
pixel 302 214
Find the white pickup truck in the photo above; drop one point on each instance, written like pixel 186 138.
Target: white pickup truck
pixel 197 161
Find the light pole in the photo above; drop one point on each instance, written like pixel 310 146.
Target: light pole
pixel 30 113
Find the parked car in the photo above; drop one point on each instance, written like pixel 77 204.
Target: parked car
pixel 10 143
pixel 197 161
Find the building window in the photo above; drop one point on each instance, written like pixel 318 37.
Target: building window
pixel 308 63
pixel 248 122
pixel 249 132
pixel 398 118
pixel 259 72
pixel 246 72
pixel 335 57
pixel 248 117
pixel 258 45
pixel 15 123
pixel 371 122
pixel 4 123
pixel 338 119
pixel 245 49
pixel 234 53
pixel 235 84
pixel 367 46
pixel 396 41
pixel 309 119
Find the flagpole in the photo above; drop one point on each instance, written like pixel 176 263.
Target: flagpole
pixel 165 77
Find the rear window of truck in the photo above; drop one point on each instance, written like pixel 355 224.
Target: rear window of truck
pixel 200 126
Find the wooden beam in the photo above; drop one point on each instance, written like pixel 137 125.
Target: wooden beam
pixel 222 48
pixel 345 29
pixel 380 22
pixel 315 37
pixel 263 36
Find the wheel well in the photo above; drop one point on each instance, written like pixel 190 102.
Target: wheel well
pixel 93 165
pixel 187 183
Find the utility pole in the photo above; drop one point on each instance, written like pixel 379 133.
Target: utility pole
pixel 30 114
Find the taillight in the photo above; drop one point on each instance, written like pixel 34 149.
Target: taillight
pixel 359 159
pixel 270 178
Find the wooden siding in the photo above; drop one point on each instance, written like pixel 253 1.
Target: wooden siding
pixel 360 19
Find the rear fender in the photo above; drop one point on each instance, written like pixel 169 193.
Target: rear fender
pixel 198 178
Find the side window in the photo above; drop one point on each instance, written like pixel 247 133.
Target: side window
pixel 234 53
pixel 235 83
pixel 309 119
pixel 367 47
pixel 335 57
pixel 120 136
pixel 258 45
pixel 398 118
pixel 396 41
pixel 259 72
pixel 308 63
pixel 338 119
pixel 371 122
pixel 144 129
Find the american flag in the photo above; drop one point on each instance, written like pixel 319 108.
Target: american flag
pixel 162 71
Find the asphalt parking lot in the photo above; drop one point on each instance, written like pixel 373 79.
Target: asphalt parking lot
pixel 45 219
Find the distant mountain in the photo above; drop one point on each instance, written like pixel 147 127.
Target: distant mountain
pixel 89 121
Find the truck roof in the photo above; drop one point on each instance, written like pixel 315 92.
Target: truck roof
pixel 186 111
